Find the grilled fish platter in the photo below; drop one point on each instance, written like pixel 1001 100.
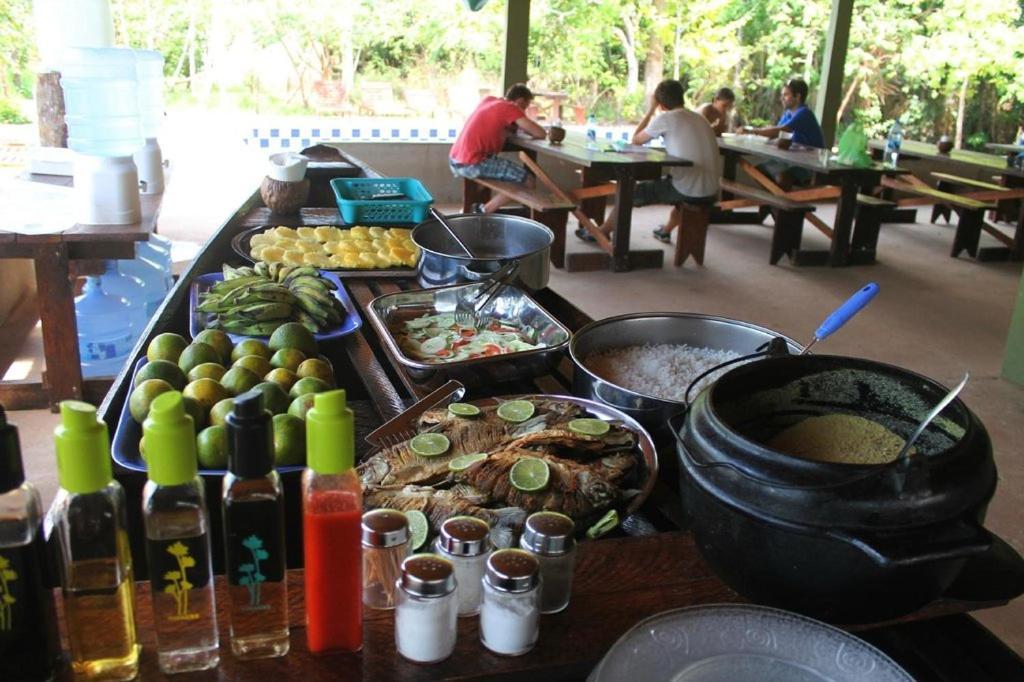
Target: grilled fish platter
pixel 501 459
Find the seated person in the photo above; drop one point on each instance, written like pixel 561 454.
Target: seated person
pixel 801 122
pixel 475 152
pixel 687 135
pixel 718 111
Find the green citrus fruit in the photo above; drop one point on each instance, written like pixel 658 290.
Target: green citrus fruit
pixel 195 355
pixel 463 462
pixel 430 444
pixel 196 411
pixel 162 369
pixel 530 474
pixel 301 405
pixel 317 368
pixel 212 447
pixel 289 440
pixel 238 380
pixel 307 385
pixel 516 410
pixel 206 392
pixel 142 397
pixel 220 411
pixel 274 397
pixel 256 364
pixel 605 524
pixel 418 528
pixel 289 358
pixel 293 335
pixel 207 370
pixel 166 346
pixel 589 427
pixel 464 409
pixel 285 378
pixel 250 347
pixel 220 341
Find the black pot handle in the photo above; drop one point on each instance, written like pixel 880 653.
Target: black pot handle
pixel 714 465
pixel 968 539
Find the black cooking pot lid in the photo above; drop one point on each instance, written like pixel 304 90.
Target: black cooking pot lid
pixel 742 644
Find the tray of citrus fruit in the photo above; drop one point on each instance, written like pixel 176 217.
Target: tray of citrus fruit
pixel 355 251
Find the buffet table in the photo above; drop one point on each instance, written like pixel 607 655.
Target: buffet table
pixel 651 566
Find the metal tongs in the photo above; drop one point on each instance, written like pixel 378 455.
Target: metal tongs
pixel 493 285
pixel 403 427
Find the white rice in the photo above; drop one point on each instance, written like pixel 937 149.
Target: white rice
pixel 663 371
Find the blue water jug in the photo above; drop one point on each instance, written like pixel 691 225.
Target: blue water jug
pixel 153 275
pixel 106 334
pixel 155 254
pixel 131 289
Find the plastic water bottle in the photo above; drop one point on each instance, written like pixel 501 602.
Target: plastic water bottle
pixel 150 273
pixel 591 131
pixel 106 333
pixel 893 143
pixel 131 289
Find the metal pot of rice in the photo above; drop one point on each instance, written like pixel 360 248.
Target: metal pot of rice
pixel 643 363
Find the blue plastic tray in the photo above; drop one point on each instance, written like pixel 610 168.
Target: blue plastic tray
pixel 357 208
pixel 197 320
pixel 125 447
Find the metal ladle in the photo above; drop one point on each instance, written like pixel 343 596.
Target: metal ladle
pixel 932 415
pixel 439 217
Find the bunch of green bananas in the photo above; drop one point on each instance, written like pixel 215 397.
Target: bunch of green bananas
pixel 255 301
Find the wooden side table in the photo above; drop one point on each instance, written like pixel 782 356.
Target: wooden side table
pixel 59 259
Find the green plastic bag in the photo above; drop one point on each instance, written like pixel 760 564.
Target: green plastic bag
pixel 853 147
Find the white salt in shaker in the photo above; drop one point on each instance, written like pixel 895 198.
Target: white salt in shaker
pixel 465 541
pixel 510 613
pixel 425 609
pixel 549 537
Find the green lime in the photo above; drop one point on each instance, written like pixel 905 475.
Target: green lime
pixel 516 410
pixel 250 347
pixel 316 368
pixel 589 427
pixel 195 355
pixel 220 341
pixel 307 385
pixel 166 346
pixel 606 524
pixel 206 392
pixel 207 370
pixel 418 528
pixel 274 397
pixel 530 474
pixel 196 411
pixel 301 405
pixel 212 447
pixel 289 440
pixel 220 411
pixel 463 462
pixel 430 444
pixel 256 364
pixel 288 358
pixel 285 378
pixel 293 335
pixel 142 396
pixel 464 410
pixel 238 380
pixel 162 369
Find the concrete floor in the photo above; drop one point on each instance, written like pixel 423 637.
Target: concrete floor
pixel 935 315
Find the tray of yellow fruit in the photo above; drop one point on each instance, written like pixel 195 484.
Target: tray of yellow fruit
pixel 352 251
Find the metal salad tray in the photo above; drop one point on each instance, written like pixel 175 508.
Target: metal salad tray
pixel 511 304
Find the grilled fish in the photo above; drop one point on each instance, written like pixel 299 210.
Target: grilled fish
pixel 570 443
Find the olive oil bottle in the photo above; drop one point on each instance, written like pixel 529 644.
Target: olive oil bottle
pixel 29 644
pixel 95 561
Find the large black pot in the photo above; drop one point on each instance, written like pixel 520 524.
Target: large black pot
pixel 844 542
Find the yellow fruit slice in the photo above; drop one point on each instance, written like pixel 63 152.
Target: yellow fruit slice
pixel 317 260
pixel 261 239
pixel 256 252
pixel 327 233
pixel 350 262
pixel 272 254
pixel 294 258
pixel 367 260
pixel 400 255
pixel 360 232
pixel 402 232
pixel 307 246
pixel 377 232
pixel 306 232
pixel 283 232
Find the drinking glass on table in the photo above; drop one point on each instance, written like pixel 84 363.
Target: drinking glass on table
pixel 785 140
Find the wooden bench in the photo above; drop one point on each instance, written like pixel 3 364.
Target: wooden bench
pixel 947 182
pixel 543 207
pixel 971 213
pixel 788 215
pixel 867 221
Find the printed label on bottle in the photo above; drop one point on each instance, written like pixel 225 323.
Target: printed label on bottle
pixel 12 586
pixel 177 567
pixel 255 548
pixel 92 351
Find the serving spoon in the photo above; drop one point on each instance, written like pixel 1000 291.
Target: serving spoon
pixel 932 415
pixel 842 314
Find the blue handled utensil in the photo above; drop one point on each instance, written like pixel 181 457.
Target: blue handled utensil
pixel 842 314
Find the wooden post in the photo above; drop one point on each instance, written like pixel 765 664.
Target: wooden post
pixel 517 43
pixel 53 131
pixel 830 89
pixel 1013 362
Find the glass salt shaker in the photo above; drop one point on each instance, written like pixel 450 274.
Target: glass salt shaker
pixel 385 535
pixel 465 541
pixel 510 613
pixel 549 537
pixel 426 609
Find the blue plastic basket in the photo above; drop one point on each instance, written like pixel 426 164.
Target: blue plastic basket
pixel 357 207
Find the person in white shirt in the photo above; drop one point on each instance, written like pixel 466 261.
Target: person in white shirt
pixel 687 135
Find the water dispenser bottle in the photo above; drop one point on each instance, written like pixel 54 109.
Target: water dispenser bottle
pixel 130 288
pixel 150 273
pixel 106 334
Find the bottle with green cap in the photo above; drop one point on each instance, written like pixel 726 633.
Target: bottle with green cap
pixel 178 541
pixel 332 510
pixel 91 524
pixel 29 643
pixel 253 511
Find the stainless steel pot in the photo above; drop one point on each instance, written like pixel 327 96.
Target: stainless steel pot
pixel 495 239
pixel 640 329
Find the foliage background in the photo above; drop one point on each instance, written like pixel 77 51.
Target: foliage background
pixel 943 66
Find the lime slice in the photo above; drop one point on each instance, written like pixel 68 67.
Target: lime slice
pixel 605 525
pixel 530 475
pixel 516 410
pixel 464 410
pixel 430 444
pixel 463 462
pixel 418 528
pixel 589 427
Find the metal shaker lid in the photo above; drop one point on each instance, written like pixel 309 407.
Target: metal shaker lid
pixel 464 536
pixel 548 533
pixel 512 570
pixel 427 575
pixel 385 528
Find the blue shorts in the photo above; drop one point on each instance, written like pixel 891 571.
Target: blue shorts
pixel 662 191
pixel 491 168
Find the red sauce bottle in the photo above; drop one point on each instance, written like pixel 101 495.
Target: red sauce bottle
pixel 332 509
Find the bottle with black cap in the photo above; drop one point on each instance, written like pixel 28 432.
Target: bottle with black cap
pixel 253 506
pixel 29 644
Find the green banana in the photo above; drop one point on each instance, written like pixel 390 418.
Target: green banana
pixel 227 286
pixel 252 329
pixel 313 308
pixel 272 269
pixel 307 320
pixel 311 282
pixel 261 269
pixel 319 295
pixel 300 271
pixel 283 271
pixel 260 312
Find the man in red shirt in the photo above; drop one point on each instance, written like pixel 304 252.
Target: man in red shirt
pixel 475 152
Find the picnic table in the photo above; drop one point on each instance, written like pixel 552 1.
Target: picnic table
pixel 59 258
pixel 832 180
pixel 618 580
pixel 599 167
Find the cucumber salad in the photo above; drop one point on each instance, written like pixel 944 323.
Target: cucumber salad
pixel 439 339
